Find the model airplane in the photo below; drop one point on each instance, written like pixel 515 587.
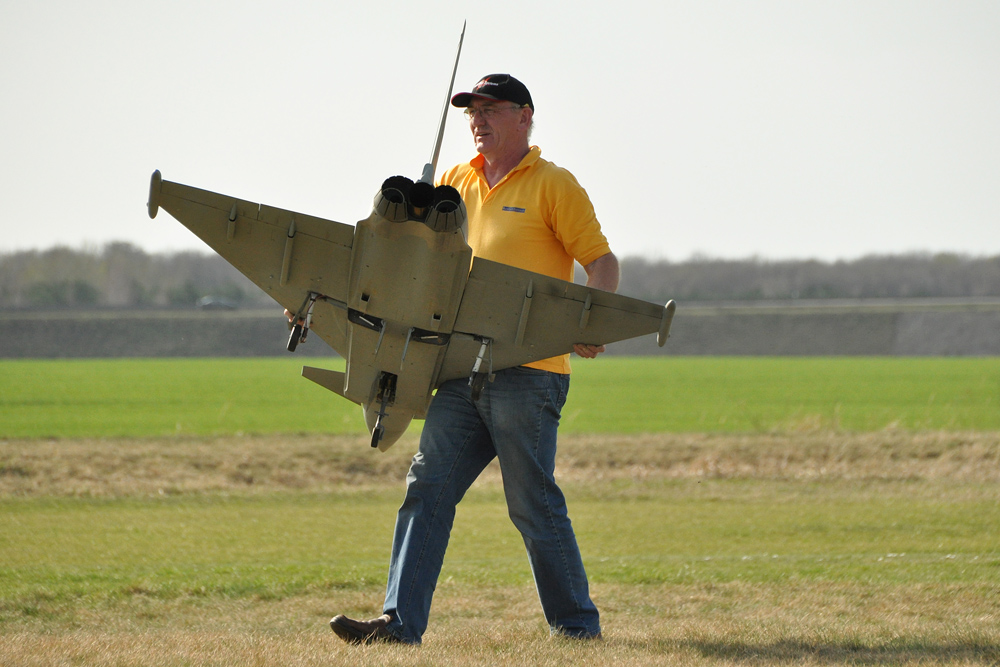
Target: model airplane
pixel 400 296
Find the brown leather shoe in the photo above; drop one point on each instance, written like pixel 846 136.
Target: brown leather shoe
pixel 363 632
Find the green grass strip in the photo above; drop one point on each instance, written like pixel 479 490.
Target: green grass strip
pixel 156 397
pixel 679 532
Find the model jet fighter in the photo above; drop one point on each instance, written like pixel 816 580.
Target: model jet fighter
pixel 400 296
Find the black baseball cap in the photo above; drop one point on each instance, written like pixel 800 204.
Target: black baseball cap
pixel 499 87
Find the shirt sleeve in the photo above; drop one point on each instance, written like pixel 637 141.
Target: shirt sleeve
pixel 575 223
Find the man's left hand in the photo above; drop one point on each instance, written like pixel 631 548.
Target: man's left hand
pixel 588 351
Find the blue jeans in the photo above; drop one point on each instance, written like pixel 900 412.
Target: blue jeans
pixel 515 420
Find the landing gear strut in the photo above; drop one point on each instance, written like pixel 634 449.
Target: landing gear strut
pixel 386 396
pixel 378 431
pixel 300 329
pixel 477 380
pixel 295 336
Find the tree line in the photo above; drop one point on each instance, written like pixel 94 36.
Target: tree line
pixel 123 275
pixel 119 275
pixel 905 276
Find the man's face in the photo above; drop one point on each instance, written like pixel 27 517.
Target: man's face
pixel 496 126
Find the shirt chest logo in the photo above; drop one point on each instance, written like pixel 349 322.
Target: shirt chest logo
pixel 513 209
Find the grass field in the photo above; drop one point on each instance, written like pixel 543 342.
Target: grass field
pixel 155 397
pixel 729 512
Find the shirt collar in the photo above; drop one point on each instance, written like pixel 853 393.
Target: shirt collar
pixel 533 154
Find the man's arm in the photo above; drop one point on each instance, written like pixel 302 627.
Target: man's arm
pixel 603 274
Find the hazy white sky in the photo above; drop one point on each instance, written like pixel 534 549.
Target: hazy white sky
pixel 782 129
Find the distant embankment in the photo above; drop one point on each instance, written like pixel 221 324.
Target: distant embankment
pixel 148 333
pixel 915 327
pixel 903 327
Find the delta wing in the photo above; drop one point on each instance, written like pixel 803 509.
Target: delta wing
pixel 288 255
pixel 528 316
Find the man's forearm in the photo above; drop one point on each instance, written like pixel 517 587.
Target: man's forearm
pixel 604 273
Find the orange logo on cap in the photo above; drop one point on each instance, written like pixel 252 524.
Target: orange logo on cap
pixel 485 82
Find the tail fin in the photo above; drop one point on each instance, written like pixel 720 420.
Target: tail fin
pixel 431 167
pixel 332 380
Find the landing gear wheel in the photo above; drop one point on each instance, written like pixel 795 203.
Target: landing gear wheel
pixel 293 337
pixel 378 431
pixel 477 382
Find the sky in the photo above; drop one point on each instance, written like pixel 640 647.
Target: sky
pixel 795 129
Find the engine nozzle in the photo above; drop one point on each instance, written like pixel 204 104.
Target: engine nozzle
pixel 440 208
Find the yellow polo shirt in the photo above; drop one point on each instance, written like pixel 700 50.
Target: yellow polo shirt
pixel 537 218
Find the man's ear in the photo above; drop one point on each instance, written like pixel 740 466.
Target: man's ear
pixel 526 115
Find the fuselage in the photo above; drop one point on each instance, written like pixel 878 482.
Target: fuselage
pixel 409 266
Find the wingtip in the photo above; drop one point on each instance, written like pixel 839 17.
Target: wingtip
pixel 665 322
pixel 153 203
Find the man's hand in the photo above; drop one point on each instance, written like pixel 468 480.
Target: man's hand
pixel 588 351
pixel 603 273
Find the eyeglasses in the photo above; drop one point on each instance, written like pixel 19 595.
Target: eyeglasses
pixel 487 112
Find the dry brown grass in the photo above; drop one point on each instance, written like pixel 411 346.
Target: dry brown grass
pixel 124 467
pixel 730 624
pixel 240 464
pixel 967 457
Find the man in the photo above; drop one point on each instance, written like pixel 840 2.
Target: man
pixel 527 212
